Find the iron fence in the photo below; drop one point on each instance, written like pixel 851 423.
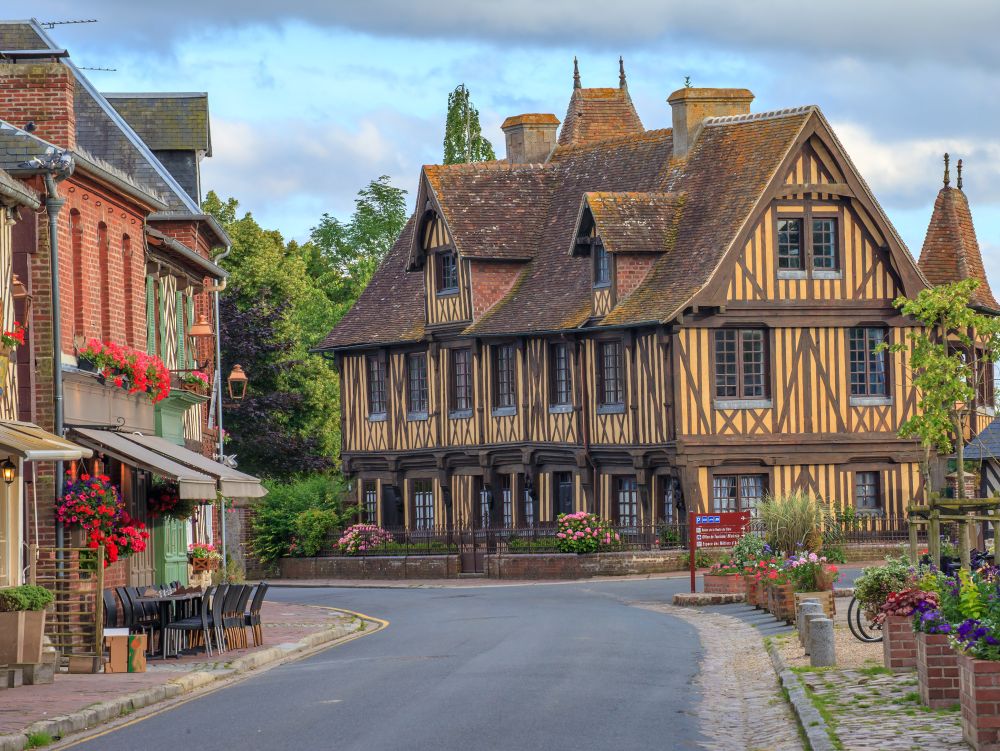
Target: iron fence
pixel 874 529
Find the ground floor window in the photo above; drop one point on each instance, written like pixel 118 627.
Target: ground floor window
pixel 507 494
pixel 867 491
pixel 672 504
pixel 627 507
pixel 738 492
pixel 562 493
pixel 423 504
pixel 528 508
pixel 484 508
pixel 371 502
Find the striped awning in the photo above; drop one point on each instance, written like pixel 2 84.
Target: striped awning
pixel 192 484
pixel 32 443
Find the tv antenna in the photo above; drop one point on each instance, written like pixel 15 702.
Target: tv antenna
pixel 87 67
pixel 53 24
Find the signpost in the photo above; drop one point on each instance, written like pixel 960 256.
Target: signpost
pixel 720 530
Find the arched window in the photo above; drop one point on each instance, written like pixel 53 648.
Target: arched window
pixel 76 264
pixel 104 261
pixel 128 287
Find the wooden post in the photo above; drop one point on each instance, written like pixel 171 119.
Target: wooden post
pixel 934 536
pixel 963 543
pixel 913 542
pixel 99 607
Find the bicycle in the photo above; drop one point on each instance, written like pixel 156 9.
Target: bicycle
pixel 863 628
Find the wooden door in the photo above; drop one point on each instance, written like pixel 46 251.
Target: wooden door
pixel 135 485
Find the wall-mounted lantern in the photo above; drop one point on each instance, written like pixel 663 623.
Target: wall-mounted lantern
pixel 8 470
pixel 237 383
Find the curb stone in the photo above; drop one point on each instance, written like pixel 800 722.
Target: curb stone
pixel 105 711
pixel 812 722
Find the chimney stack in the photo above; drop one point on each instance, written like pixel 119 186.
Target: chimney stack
pixel 39 93
pixel 691 106
pixel 530 138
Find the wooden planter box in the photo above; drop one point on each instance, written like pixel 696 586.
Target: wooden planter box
pixel 979 682
pixel 727 584
pixel 21 637
pixel 937 671
pixel 899 643
pixel 204 564
pixel 751 588
pixel 825 599
pixel 781 601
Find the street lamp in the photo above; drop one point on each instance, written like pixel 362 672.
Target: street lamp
pixel 8 470
pixel 201 329
pixel 237 383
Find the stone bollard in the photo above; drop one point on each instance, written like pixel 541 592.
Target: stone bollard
pixel 810 617
pixel 805 608
pixel 821 644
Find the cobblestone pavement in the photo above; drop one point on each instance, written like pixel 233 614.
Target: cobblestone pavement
pixel 740 697
pixel 875 711
pixel 283 623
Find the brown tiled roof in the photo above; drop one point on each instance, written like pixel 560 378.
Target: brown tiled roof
pixel 631 222
pixel 951 250
pixel 493 209
pixel 391 308
pixel 597 115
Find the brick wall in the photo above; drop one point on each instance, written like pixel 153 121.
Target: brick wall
pixel 573 566
pixel 937 671
pixel 630 270
pixel 979 692
pixel 371 567
pixel 899 644
pixel 41 93
pixel 491 280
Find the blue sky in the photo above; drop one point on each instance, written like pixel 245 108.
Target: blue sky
pixel 311 100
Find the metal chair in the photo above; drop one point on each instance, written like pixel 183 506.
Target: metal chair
pixel 110 608
pixel 200 623
pixel 218 616
pixel 252 619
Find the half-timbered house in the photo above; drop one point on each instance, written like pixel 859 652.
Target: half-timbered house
pixel 633 322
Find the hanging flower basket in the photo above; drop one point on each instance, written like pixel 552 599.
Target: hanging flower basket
pixel 165 500
pixel 195 381
pixel 93 505
pixel 129 369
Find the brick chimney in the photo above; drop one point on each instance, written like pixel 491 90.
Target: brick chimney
pixel 39 93
pixel 530 138
pixel 691 106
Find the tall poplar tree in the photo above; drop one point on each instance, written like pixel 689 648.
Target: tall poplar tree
pixel 463 136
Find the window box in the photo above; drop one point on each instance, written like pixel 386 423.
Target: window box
pixel 416 416
pixel 378 417
pixel 610 409
pixel 871 401
pixel 504 411
pixel 793 274
pixel 743 404
pixel 827 274
pixel 460 414
pixel 560 409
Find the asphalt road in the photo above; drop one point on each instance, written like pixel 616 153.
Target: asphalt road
pixel 555 666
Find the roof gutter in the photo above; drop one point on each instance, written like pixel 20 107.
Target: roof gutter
pixel 11 192
pixel 189 255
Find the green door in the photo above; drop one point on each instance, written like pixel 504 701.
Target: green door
pixel 170 544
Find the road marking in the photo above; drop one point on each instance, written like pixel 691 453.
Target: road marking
pixel 227 682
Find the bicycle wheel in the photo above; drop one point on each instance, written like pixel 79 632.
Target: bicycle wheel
pixel 861 627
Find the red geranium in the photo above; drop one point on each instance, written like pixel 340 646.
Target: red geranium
pixel 94 504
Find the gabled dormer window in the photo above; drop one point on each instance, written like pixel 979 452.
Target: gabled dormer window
pixel 447 272
pixel 602 265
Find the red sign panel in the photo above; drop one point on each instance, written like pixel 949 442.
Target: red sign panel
pixel 721 530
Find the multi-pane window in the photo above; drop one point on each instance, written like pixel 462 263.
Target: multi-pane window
pixel 602 266
pixel 371 503
pixel 868 367
pixel 376 386
pixel 867 492
pixel 610 371
pixel 485 507
pixel 416 383
pixel 423 504
pixel 507 498
pixel 740 364
pixel 789 243
pixel 628 502
pixel 461 380
pixel 738 492
pixel 528 509
pixel 824 244
pixel 447 272
pixel 560 374
pixel 562 489
pixel 672 505
pixel 504 376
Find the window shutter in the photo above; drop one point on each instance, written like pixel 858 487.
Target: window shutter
pixel 150 316
pixel 181 331
pixel 192 360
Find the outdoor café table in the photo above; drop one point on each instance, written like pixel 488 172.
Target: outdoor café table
pixel 166 611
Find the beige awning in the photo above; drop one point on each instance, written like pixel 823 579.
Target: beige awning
pixel 192 484
pixel 232 483
pixel 34 444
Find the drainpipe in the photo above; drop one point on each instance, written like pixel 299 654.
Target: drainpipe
pixel 53 204
pixel 218 395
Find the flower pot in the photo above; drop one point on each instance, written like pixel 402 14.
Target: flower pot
pixel 781 601
pixel 194 388
pixel 824 580
pixel 204 564
pixel 750 587
pixel 729 584
pixel 824 597
pixel 899 643
pixel 82 363
pixel 21 637
pixel 978 682
pixel 937 671
pixel 5 355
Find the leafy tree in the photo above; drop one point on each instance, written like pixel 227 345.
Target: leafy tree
pixel 463 136
pixel 950 358
pixel 342 256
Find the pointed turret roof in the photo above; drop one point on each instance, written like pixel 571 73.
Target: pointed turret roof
pixel 951 250
pixel 599 114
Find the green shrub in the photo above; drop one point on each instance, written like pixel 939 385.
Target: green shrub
pixel 792 521
pixel 273 528
pixel 524 545
pixel 312 528
pixel 25 597
pixel 701 559
pixel 747 550
pixel 670 536
pixel 875 583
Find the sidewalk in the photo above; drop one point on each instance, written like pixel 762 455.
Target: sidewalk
pixel 77 702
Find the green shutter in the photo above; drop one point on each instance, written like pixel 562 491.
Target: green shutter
pixel 192 361
pixel 162 297
pixel 150 316
pixel 181 331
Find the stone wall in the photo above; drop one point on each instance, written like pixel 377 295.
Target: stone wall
pixel 371 567
pixel 572 566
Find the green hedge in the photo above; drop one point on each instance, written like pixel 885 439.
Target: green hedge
pixel 25 597
pixel 295 517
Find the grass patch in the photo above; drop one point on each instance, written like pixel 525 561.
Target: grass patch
pixel 874 670
pixel 37 740
pixel 822 704
pixel 913 696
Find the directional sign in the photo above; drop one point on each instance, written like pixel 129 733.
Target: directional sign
pixel 721 530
